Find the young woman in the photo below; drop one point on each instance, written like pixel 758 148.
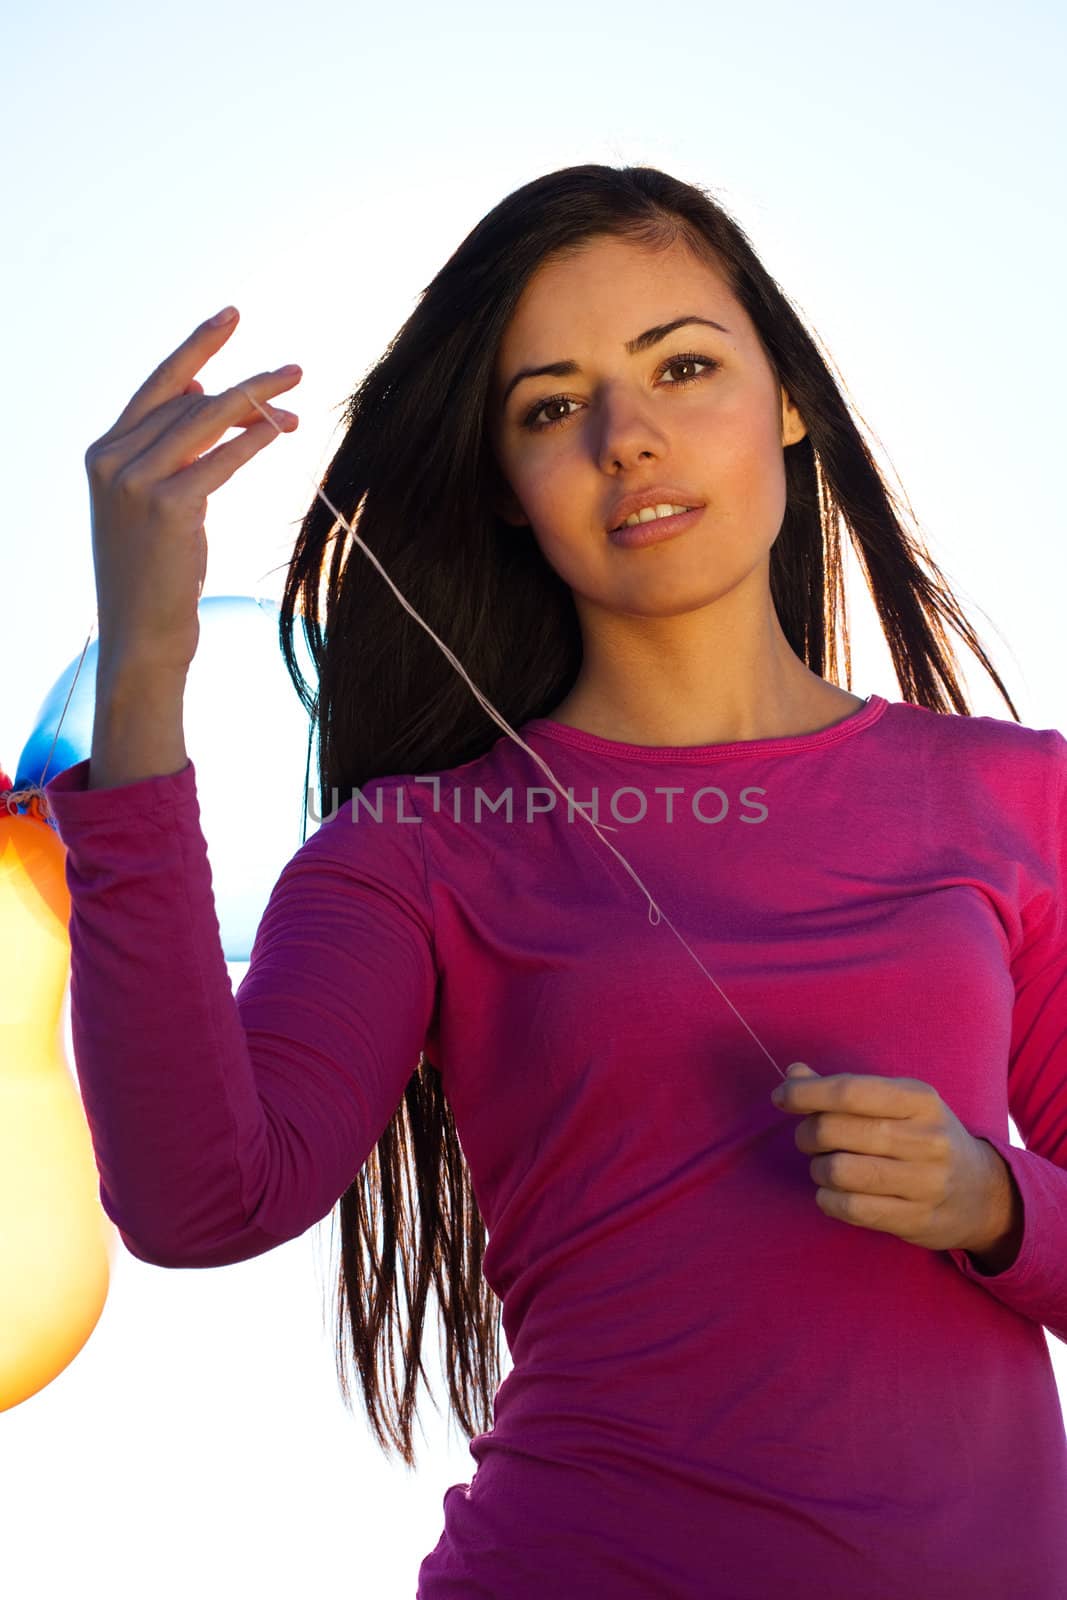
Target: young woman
pixel 755 1345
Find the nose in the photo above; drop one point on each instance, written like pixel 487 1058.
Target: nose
pixel 626 432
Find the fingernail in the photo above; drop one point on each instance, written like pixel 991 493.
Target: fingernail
pixel 221 317
pixel 778 1096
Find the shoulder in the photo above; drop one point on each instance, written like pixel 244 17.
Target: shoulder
pixel 1006 754
pixel 371 838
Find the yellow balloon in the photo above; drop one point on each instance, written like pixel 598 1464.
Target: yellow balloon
pixel 57 1243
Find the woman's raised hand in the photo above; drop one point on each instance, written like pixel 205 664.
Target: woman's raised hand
pixel 149 481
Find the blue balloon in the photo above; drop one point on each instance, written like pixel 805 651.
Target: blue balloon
pixel 247 735
pixel 76 733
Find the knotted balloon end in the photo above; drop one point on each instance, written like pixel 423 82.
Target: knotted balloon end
pixel 30 801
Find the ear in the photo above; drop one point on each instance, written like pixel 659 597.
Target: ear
pixel 793 427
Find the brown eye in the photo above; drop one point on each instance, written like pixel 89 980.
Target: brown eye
pixel 689 359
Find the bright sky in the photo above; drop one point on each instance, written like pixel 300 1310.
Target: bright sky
pixel 900 170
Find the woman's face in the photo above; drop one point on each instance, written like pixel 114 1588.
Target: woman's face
pixel 626 422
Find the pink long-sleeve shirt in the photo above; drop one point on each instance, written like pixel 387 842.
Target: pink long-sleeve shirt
pixel 718 1391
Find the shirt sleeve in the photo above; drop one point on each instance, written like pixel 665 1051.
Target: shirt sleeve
pixel 1036 1282
pixel 223 1125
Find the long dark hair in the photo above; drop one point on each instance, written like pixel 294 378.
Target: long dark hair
pixel 416 474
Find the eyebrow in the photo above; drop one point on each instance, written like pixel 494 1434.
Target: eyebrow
pixel 633 347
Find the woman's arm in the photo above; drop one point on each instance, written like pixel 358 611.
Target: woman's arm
pixel 138 724
pixel 1026 1267
pixel 224 1125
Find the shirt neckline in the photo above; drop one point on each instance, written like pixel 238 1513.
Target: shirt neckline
pixel 857 721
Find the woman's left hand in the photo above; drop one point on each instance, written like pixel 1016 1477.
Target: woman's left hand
pixel 889 1154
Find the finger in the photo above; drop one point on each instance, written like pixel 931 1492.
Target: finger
pixel 168 423
pixel 174 373
pixel 174 435
pixel 214 469
pixel 863 1174
pixel 882 1213
pixel 180 442
pixel 879 1136
pixel 255 409
pixel 834 1130
pixel 862 1094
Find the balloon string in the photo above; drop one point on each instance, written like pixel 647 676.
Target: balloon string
pixel 33 795
pixel 497 718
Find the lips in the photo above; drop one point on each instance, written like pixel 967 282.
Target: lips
pixel 660 494
pixel 656 530
pixel 625 521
